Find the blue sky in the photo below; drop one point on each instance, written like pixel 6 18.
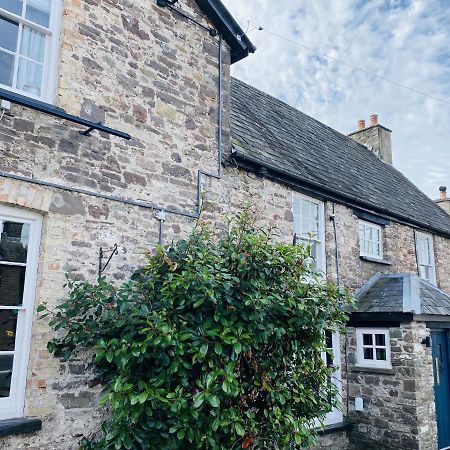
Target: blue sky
pixel 407 41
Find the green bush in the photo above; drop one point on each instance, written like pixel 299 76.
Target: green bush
pixel 214 344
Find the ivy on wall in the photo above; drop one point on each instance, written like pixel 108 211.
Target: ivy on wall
pixel 214 344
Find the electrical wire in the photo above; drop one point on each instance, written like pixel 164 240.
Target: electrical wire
pixel 352 66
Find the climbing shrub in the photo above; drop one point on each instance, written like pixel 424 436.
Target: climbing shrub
pixel 217 343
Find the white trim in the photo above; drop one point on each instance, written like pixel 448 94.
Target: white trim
pixel 373 363
pixel 321 262
pixel 336 415
pixel 13 406
pixel 52 43
pixel 380 243
pixel 429 237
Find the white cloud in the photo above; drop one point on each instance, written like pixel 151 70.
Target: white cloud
pixel 404 40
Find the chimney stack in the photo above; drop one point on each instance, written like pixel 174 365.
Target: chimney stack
pixel 443 201
pixel 376 138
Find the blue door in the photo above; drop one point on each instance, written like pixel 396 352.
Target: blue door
pixel 442 386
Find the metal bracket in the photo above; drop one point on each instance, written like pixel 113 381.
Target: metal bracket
pixel 102 253
pixel 89 130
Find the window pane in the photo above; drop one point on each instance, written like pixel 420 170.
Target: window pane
pixel 381 354
pixel 6 68
pixel 12 279
pixel 14 242
pixel 9 30
pixel 6 365
pixel 29 78
pixel 380 339
pixel 38 11
pixel 8 324
pixel 14 6
pixel 32 44
pixel 368 339
pixel 368 353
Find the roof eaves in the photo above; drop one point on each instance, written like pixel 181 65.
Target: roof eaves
pixel 240 44
pixel 332 194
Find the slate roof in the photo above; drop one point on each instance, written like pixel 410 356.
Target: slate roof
pixel 402 293
pixel 277 135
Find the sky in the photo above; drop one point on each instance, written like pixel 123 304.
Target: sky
pixel 407 41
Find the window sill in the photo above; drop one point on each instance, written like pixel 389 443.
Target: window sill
pixel 379 370
pixel 335 428
pixel 376 260
pixel 19 426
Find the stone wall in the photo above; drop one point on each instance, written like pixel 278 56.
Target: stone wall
pixel 399 403
pixel 140 69
pixel 143 70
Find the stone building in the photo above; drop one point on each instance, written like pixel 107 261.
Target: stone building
pixel 119 118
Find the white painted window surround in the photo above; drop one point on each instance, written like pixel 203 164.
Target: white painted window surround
pixel 370 240
pixel 309 226
pixel 19 252
pixel 333 344
pixel 425 257
pixel 29 47
pixel 373 348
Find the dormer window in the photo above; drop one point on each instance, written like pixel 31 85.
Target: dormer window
pixel 28 45
pixel 370 240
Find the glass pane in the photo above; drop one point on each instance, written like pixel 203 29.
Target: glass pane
pixel 9 31
pixel 368 353
pixel 14 6
pixel 32 44
pixel 14 242
pixel 368 339
pixel 6 366
pixel 8 324
pixel 381 354
pixel 380 339
pixel 12 279
pixel 6 68
pixel 38 11
pixel 29 78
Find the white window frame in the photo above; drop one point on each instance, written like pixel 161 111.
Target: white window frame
pixel 50 64
pixel 380 230
pixel 373 363
pixel 13 406
pixel 336 415
pixel 319 240
pixel 429 238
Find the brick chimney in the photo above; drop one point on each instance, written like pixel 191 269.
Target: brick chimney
pixel 443 201
pixel 375 137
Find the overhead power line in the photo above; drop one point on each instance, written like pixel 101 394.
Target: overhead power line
pixel 345 63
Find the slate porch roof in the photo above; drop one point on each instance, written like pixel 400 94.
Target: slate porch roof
pixel 402 293
pixel 266 130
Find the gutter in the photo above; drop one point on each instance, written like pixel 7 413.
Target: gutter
pixel 286 177
pixel 234 35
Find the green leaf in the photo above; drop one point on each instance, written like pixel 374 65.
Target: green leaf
pixel 214 401
pixel 239 429
pixel 218 348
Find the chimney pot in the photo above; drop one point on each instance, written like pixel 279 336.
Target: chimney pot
pixel 373 120
pixel 361 124
pixel 443 192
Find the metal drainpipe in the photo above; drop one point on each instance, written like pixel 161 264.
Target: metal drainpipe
pixel 333 219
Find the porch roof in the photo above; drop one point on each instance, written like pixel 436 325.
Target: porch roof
pixel 402 293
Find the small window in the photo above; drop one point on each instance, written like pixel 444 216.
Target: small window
pixel 425 257
pixel 19 249
pixel 370 240
pixel 373 348
pixel 309 227
pixel 28 46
